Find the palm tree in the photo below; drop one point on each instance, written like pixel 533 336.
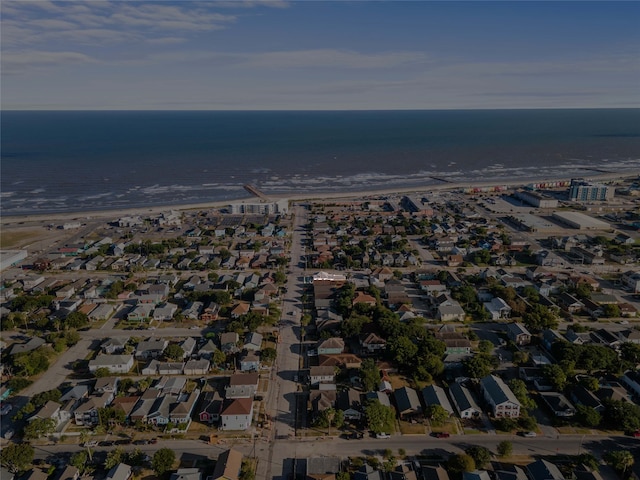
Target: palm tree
pixel 84 439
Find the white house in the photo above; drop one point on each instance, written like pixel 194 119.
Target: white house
pixel 500 397
pixel 237 414
pixel 113 363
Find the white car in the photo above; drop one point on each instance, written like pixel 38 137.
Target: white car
pixel 529 434
pixel 90 444
pixel 383 435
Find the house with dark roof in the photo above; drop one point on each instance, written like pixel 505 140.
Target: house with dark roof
pixel 349 402
pixel 435 395
pixel 499 396
pixel 367 472
pixel 581 396
pixel 463 401
pixel 518 334
pixel 544 470
pixel 210 407
pixel 558 404
pixel 407 402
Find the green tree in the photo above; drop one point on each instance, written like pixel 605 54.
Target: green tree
pixel 437 414
pixel 163 461
pixel 630 352
pixel 102 372
pixel 17 457
pixel 247 470
pixel 481 455
pixel 588 416
pixel 461 463
pixel 79 460
pixel 39 427
pixel 555 375
pixel 621 460
pixel 114 457
pixel 268 354
pixel 479 366
pixel 219 357
pixel 76 320
pixel 519 389
pixel 380 418
pixel 538 317
pixel 369 374
pixel 505 448
pixel 174 352
pixel 485 346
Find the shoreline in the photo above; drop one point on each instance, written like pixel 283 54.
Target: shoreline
pixel 7 220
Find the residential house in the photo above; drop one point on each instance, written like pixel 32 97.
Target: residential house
pixel 114 345
pixel 121 471
pixel 181 411
pixel 186 474
pixel 463 401
pixel 242 385
pixel 206 351
pixel 159 414
pixel 497 308
pixel 113 363
pixel 210 407
pixel 476 475
pixel 87 412
pixel 188 346
pixel 349 402
pixel 151 348
pixel 407 402
pixel 323 468
pixel 518 334
pixel 449 310
pixel 432 472
pixel 544 470
pixel 381 397
pixel 631 380
pixel 367 472
pixel 69 473
pixel 253 341
pixel 581 396
pixel 370 343
pixel 249 362
pixel 435 395
pixel 171 385
pixel 499 396
pixel 240 310
pixel 343 360
pixel 558 404
pixel 320 400
pixel 321 375
pixel 228 466
pixel 330 346
pixel 237 414
pixel 197 367
pixel 229 342
pixel 51 410
pixel 569 303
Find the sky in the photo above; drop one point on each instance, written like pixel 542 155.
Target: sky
pixel 318 55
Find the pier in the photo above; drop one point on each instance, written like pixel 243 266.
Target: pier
pixel 253 190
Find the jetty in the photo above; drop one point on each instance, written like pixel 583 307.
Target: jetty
pixel 253 190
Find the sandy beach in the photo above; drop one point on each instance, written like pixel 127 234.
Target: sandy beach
pixel 16 221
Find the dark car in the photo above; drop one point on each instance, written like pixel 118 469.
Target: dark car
pixel 126 441
pixel 442 435
pixel 106 444
pixel 141 442
pixel 153 441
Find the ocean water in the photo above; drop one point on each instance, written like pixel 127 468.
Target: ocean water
pixel 82 161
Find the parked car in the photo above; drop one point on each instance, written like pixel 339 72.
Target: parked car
pixel 6 408
pixel 443 435
pixel 529 434
pixel 90 444
pixel 636 433
pixel 383 435
pixel 153 441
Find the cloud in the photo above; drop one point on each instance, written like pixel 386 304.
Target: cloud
pixel 17 62
pixel 322 58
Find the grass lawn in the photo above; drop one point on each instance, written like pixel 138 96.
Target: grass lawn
pixel 17 239
pixel 407 428
pixel 398 381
